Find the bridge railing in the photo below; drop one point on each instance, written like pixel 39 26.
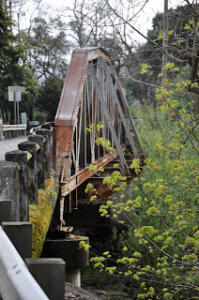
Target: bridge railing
pixel 24 171
pixel 16 282
pixel 11 131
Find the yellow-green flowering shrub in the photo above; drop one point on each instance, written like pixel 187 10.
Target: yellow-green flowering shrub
pixel 160 253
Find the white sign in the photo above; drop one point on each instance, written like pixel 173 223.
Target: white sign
pixel 14 93
pixel 17 96
pixel 10 95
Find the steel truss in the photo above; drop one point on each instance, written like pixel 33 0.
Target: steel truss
pixel 91 95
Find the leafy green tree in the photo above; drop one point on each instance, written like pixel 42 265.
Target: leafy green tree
pixel 49 47
pixel 14 69
pixel 182 48
pixel 49 95
pixel 7 54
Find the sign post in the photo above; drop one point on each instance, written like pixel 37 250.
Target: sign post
pixel 15 109
pixel 14 95
pixel 23 118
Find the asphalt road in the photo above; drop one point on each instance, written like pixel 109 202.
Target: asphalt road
pixel 10 145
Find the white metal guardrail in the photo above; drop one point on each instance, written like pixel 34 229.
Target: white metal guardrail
pixel 10 131
pixel 16 282
pixel 14 127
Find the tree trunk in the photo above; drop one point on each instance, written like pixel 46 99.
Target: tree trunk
pixel 165 38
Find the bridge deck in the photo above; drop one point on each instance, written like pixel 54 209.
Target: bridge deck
pixel 10 145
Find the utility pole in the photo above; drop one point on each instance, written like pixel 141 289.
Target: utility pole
pixel 165 38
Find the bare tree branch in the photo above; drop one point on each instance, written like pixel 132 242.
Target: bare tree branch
pixel 137 13
pixel 173 57
pixel 140 81
pixel 187 1
pixel 129 24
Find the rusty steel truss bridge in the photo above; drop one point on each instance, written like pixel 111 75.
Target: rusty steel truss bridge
pixel 92 137
pixel 93 125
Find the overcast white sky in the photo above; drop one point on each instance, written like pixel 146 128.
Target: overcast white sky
pixel 143 22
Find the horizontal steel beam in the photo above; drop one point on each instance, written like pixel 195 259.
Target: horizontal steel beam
pixel 81 176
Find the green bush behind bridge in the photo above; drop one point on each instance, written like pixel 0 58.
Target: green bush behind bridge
pixel 159 254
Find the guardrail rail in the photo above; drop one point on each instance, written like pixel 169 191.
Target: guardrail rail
pixel 11 131
pixel 16 282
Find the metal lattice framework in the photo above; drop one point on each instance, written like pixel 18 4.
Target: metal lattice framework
pixel 91 95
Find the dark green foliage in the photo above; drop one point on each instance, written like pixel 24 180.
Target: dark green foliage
pixel 7 52
pixel 14 69
pixel 49 95
pixel 49 47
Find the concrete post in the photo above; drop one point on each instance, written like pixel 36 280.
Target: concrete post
pixel 39 139
pixel 21 157
pixel 47 145
pixel 5 210
pixel 9 186
pixel 74 277
pixel 1 131
pixel 6 134
pixel 20 234
pixel 50 275
pixel 32 170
